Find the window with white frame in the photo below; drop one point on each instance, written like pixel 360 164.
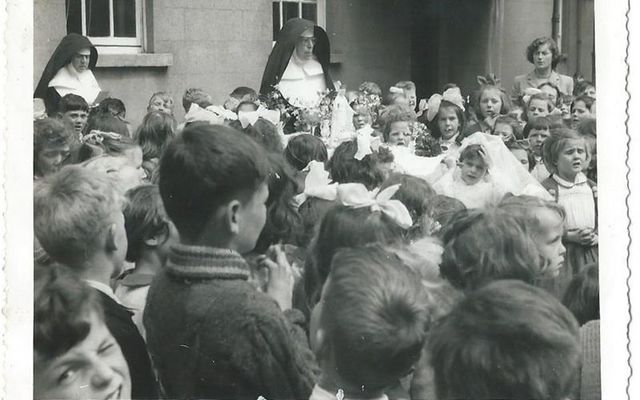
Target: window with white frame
pixel 284 10
pixel 113 26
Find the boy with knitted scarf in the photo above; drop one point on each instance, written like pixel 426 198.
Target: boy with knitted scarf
pixel 211 334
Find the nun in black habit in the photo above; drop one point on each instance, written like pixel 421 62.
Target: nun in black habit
pixel 69 71
pixel 299 63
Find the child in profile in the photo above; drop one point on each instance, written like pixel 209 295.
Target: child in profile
pixel 75 356
pixel 506 323
pixel 369 329
pixel 150 234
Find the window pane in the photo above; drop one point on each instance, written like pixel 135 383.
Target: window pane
pixel 289 10
pixel 309 12
pixel 98 18
pixel 276 19
pixel 74 16
pixel 124 18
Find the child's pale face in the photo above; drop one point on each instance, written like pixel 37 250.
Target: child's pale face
pixel 448 122
pixel 579 112
pixel 360 120
pixel 505 131
pixel 472 170
pixel 399 133
pixel 93 369
pixel 522 157
pixel 51 158
pixel 159 104
pixel 572 159
pixel 537 108
pixel 76 120
pixel 549 241
pixel 251 219
pixel 490 103
pixel 590 91
pixel 536 138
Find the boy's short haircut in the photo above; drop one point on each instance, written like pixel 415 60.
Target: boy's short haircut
pixel 107 123
pixel 582 296
pixel 204 167
pixel 144 216
pixel 112 106
pixel 481 246
pixel 72 102
pixel 198 96
pixel 507 340
pixel 406 85
pixel 62 309
pixel 50 132
pixel 538 124
pixel 242 91
pixel 72 209
pixel 373 316
pixel 264 132
pixel 249 103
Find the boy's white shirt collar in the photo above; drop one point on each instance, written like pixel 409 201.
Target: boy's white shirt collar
pixel 106 289
pixel 68 80
pixel 579 179
pixel 319 393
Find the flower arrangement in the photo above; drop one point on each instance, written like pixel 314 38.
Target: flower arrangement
pixel 426 145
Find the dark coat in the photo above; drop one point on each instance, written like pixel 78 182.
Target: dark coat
pixel 121 326
pixel 68 47
pixel 282 51
pixel 211 334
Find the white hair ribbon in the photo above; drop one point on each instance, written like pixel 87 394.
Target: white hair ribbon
pixel 247 118
pixel 98 136
pixel 199 114
pixel 452 95
pixel 356 195
pixel 317 184
pixel 395 89
pixel 528 92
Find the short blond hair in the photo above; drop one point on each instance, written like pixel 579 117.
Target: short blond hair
pixel 72 208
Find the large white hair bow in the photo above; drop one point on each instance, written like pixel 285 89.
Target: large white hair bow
pixel 366 145
pixel 396 90
pixel 356 195
pixel 214 115
pixel 247 118
pixel 317 184
pixel 452 95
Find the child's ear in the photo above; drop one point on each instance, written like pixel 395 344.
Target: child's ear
pixel 111 243
pixel 157 238
pixel 232 217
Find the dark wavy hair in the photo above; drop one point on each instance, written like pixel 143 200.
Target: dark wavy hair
pixel 154 133
pixel 553 47
pixel 344 168
pixel 303 149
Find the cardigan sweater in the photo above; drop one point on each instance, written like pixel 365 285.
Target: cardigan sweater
pixel 211 334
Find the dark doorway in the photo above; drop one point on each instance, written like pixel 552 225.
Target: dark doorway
pixel 450 43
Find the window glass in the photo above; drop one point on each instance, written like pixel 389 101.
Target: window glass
pixel 310 11
pixel 74 16
pixel 124 18
pixel 289 10
pixel 98 18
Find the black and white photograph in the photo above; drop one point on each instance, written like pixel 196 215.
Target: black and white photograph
pixel 318 199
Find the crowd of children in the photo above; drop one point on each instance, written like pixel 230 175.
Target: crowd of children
pixel 445 248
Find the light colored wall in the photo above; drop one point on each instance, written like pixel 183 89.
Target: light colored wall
pixel 216 45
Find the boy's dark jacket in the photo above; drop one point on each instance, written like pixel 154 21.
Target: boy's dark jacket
pixel 211 334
